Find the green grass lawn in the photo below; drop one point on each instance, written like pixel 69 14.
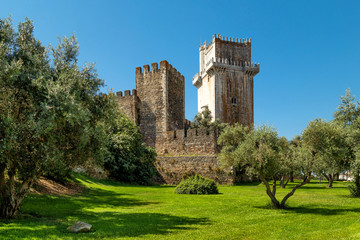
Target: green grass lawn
pixel 155 212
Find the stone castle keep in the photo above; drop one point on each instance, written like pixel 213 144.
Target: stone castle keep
pixel 225 85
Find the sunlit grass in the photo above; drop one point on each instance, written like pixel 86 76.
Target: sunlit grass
pixel 155 212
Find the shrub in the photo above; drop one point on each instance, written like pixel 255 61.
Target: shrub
pixel 196 185
pixel 130 160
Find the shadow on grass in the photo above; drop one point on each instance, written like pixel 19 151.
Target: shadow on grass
pixel 290 185
pixel 45 216
pixel 105 224
pixel 247 183
pixel 61 207
pixel 312 210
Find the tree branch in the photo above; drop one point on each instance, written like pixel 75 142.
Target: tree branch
pixel 274 186
pixel 306 180
pixel 274 201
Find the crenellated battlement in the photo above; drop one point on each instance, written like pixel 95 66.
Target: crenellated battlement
pixel 190 133
pixel 218 37
pixel 127 93
pixel 234 40
pixel 191 141
pixel 164 67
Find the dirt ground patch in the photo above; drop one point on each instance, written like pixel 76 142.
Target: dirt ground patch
pixel 50 187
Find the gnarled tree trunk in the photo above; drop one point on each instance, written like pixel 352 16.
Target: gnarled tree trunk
pixel 10 205
pixel 12 194
pixel 272 193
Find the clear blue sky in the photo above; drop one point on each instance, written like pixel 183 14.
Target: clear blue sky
pixel 309 50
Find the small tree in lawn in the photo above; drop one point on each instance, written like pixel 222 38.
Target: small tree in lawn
pixel 260 153
pixel 326 142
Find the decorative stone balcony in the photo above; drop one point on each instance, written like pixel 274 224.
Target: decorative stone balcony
pixel 221 63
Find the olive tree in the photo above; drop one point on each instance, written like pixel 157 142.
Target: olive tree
pixel 261 153
pixel 348 116
pixel 326 142
pixel 51 114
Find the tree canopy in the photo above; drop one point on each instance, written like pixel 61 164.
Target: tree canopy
pixel 263 154
pixel 327 144
pixel 51 111
pixel 348 116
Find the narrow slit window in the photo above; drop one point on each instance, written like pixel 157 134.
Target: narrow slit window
pixel 233 101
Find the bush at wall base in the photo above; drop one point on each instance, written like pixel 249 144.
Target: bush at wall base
pixel 196 185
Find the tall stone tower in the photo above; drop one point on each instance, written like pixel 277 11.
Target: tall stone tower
pixel 225 82
pixel 161 92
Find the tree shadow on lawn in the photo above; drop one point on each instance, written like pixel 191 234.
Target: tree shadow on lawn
pixel 106 224
pixel 63 206
pixel 313 210
pixel 247 183
pixel 322 186
pixel 45 216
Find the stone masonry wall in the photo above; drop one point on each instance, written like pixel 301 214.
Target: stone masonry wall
pixel 151 88
pixel 129 104
pixel 233 50
pixel 172 169
pixel 175 99
pixel 189 142
pixel 237 98
pixel 162 101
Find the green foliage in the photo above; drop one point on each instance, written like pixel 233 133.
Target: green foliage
pixel 130 160
pixel 348 110
pixel 229 140
pixel 348 116
pixel 51 114
pixel 196 185
pixel 260 152
pixel 58 171
pixel 204 120
pixel 326 142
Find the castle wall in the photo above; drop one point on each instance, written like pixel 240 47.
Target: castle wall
pixel 189 142
pixel 129 104
pixel 172 169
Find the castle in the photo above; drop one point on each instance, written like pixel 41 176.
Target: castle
pixel 225 85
